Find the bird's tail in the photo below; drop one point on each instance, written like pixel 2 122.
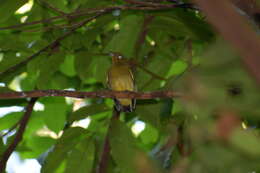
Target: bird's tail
pixel 125 105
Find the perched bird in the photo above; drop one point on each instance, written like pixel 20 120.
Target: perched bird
pixel 120 78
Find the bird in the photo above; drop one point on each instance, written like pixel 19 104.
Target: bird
pixel 120 78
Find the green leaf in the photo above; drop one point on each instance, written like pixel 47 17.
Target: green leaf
pixel 10 59
pixel 123 147
pixel 150 113
pixel 13 44
pixel 5 89
pixel 81 158
pixel 94 30
pixel 29 82
pixel 34 66
pixel 124 41
pixel 87 111
pixel 67 67
pixel 73 42
pixel 64 82
pixel 59 4
pixel 169 25
pixel 12 102
pixel 66 143
pixel 149 135
pixel 37 145
pixel 102 65
pixel 8 7
pixel 98 124
pixel 36 122
pixel 177 67
pixel 199 28
pixel 49 66
pixel 84 65
pixel 9 120
pixel 160 66
pixel 54 113
pixel 246 141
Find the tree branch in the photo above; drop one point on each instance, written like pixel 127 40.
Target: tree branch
pixel 88 11
pixel 71 15
pixel 154 75
pixel 51 45
pixel 236 30
pixel 102 166
pixel 11 129
pixel 97 94
pixel 47 5
pixel 142 35
pixel 99 11
pixel 19 135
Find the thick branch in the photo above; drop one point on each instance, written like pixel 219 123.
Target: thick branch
pixel 97 94
pixel 19 135
pixel 235 29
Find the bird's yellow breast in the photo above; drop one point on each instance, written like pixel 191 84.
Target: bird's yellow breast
pixel 120 78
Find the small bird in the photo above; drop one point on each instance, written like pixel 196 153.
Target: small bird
pixel 120 78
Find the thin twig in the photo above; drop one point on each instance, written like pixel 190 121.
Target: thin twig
pixel 142 3
pixel 102 166
pixel 97 94
pixel 48 28
pixel 141 38
pixel 52 8
pixel 17 26
pixel 88 11
pixel 51 45
pixel 11 129
pixel 19 135
pixel 190 66
pixel 158 5
pixel 71 15
pixel 155 76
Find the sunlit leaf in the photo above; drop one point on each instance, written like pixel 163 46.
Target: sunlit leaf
pixel 9 120
pixel 54 113
pixel 9 7
pixel 67 142
pixel 68 66
pixel 88 111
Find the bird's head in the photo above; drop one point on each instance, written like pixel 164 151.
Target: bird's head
pixel 118 58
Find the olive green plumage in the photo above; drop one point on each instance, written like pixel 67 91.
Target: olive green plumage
pixel 120 78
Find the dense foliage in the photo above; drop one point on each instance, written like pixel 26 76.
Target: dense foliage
pixel 213 127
